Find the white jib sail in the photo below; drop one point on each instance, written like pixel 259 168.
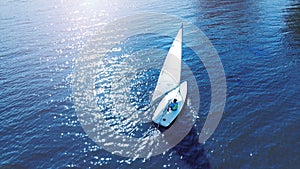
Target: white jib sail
pixel 169 77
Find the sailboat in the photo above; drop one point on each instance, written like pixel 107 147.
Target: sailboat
pixel 169 87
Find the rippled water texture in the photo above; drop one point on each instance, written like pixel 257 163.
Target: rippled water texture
pixel 42 41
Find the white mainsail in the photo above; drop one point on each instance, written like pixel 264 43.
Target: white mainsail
pixel 169 77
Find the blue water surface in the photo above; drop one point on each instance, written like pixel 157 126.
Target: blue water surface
pixel 257 41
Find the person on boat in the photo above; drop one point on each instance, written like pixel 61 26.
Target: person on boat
pixel 173 105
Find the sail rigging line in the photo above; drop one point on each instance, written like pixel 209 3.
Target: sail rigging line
pixel 163 95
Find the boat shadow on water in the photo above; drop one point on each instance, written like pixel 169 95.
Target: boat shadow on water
pixel 189 149
pixel 192 152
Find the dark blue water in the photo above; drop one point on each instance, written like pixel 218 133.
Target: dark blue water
pixel 258 43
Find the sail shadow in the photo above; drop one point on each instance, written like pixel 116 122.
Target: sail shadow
pixel 192 152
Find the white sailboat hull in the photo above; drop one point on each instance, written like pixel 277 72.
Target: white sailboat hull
pixel 164 117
